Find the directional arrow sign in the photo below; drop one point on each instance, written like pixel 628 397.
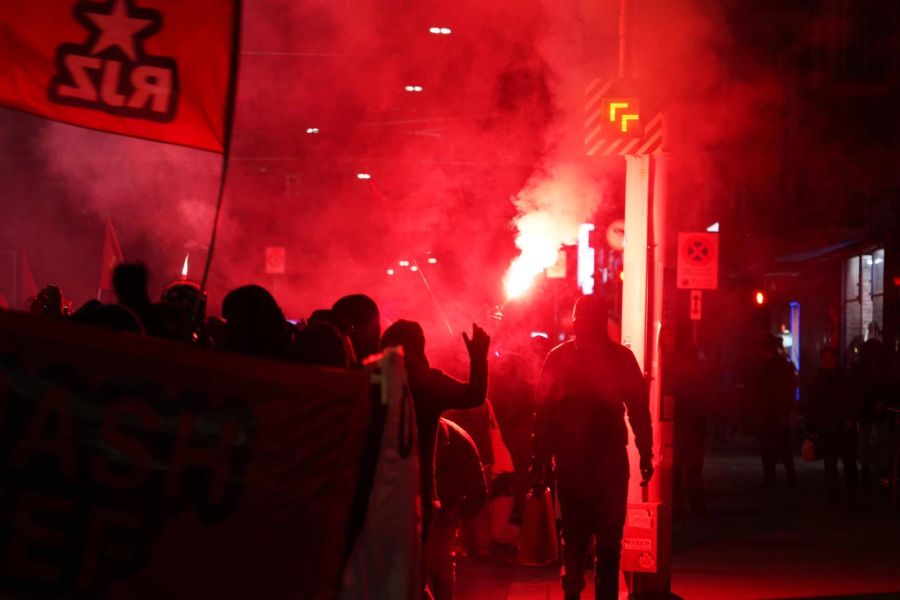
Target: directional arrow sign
pixel 696 305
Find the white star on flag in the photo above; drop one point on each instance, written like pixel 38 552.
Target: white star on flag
pixel 117 29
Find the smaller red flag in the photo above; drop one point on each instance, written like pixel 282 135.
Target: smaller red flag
pixel 112 255
pixel 27 285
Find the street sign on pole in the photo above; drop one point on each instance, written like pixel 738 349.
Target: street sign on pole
pixel 696 305
pixel 698 261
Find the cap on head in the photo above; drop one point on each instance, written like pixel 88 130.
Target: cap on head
pixel 186 295
pixel 407 334
pixel 251 304
pixel 357 315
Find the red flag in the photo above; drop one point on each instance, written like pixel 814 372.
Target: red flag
pixel 28 288
pixel 112 255
pixel 152 69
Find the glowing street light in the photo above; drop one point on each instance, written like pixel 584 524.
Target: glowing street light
pixel 403 263
pixel 390 271
pixel 312 130
pixel 440 30
pixel 414 268
pixel 413 88
pixel 432 261
pixel 760 298
pixel 363 176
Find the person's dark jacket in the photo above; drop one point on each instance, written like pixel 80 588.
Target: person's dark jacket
pixel 434 392
pixel 773 387
pixel 583 395
pixel 833 401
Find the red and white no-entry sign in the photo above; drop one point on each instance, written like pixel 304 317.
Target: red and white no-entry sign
pixel 698 261
pixel 275 258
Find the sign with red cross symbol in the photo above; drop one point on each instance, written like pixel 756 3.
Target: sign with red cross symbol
pixel 698 261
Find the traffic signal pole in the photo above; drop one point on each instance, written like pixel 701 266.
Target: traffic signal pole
pixel 648 329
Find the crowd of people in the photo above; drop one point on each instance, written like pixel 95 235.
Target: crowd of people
pixel 480 458
pixel 473 477
pixel 845 415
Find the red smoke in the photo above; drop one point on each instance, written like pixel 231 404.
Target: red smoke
pixel 493 139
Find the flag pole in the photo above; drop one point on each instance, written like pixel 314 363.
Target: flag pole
pixel 230 102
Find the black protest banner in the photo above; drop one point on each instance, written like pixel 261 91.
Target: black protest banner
pixel 138 467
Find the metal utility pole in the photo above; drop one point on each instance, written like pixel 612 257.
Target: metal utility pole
pixel 647 299
pixel 626 38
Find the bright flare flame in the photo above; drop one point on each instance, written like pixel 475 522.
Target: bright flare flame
pixel 184 268
pixel 539 252
pixel 552 207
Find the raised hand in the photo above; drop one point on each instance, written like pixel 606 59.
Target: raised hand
pixel 478 344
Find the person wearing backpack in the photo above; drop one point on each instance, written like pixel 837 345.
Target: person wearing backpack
pixel 461 492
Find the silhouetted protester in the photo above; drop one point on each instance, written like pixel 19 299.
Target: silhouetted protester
pixel 831 421
pixel 772 385
pixel 358 317
pixel 321 343
pixel 254 323
pixel 870 377
pixel 190 319
pixel 110 316
pixel 130 281
pixel 462 489
pixel 326 316
pixel 512 392
pixel 48 302
pixel 692 385
pixel 586 385
pixel 434 392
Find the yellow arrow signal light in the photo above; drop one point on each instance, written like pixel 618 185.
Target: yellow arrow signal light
pixel 614 107
pixel 626 119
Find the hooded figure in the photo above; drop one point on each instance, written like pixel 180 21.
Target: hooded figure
pixel 586 385
pixel 433 392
